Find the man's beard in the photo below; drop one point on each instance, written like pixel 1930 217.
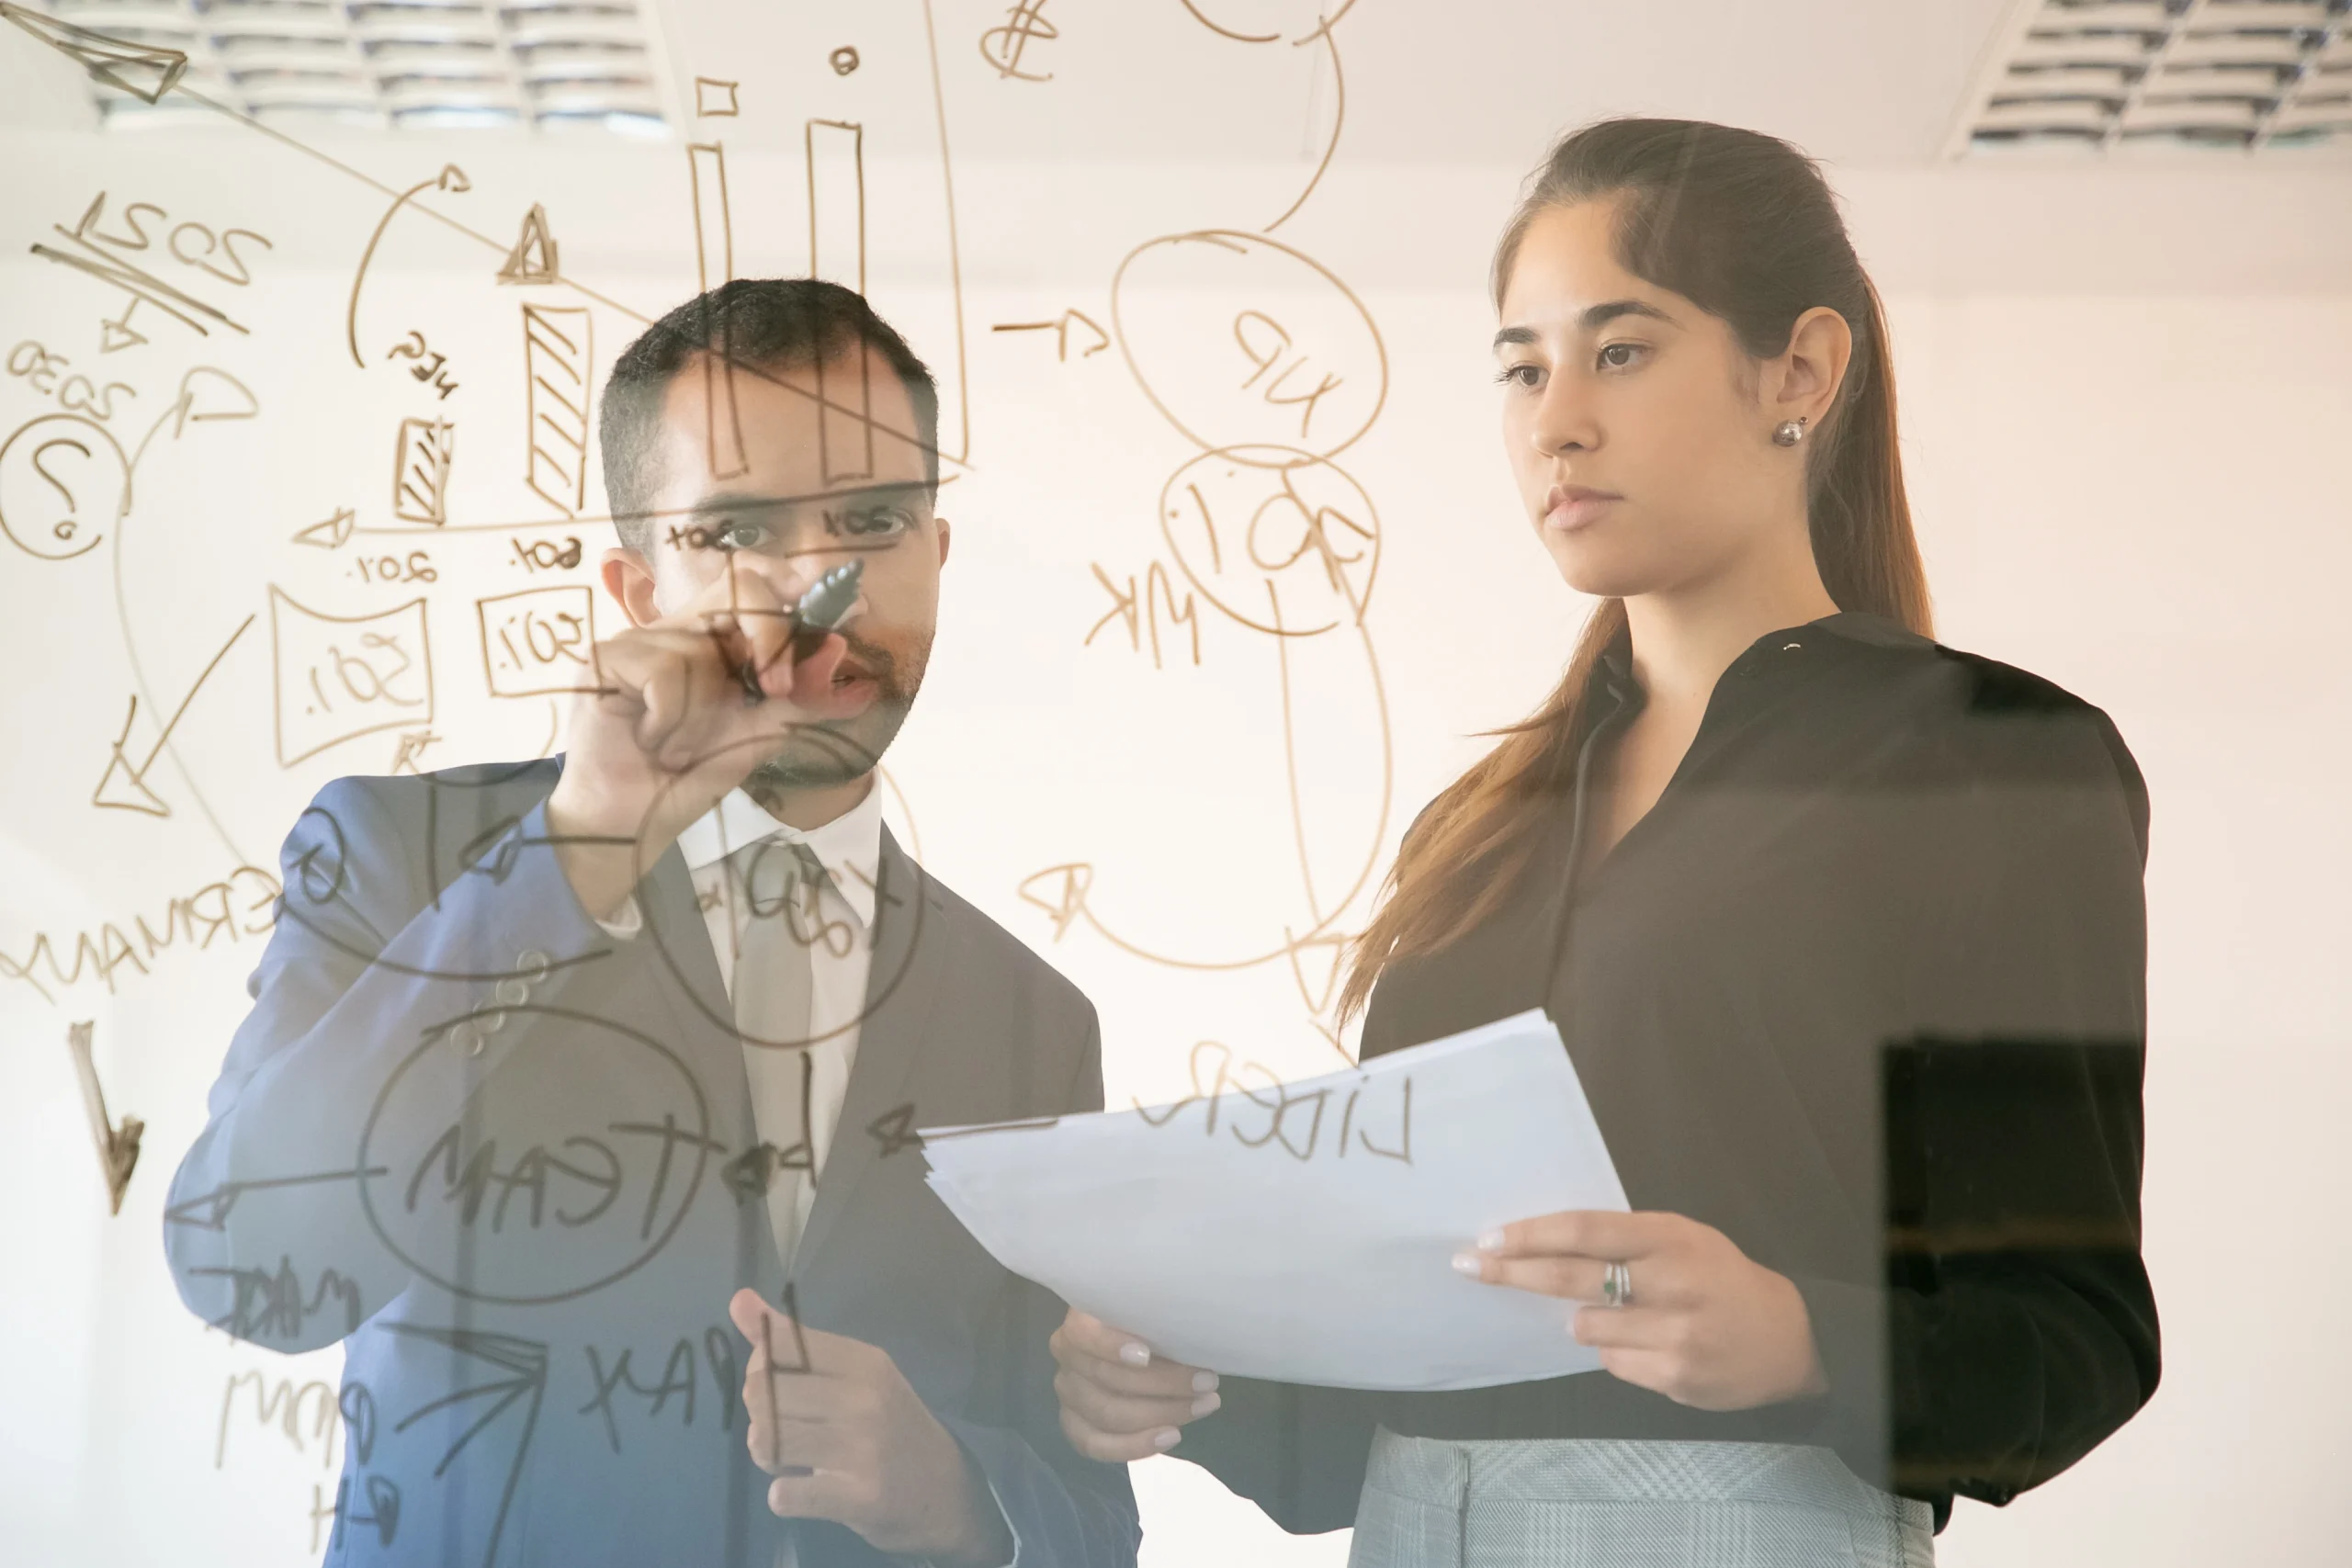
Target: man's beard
pixel 824 752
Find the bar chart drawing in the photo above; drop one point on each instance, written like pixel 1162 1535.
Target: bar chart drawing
pixel 559 368
pixel 714 267
pixel 836 166
pixel 421 471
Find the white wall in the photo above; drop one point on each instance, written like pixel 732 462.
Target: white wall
pixel 2138 494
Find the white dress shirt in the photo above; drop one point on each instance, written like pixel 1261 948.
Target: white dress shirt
pixel 719 847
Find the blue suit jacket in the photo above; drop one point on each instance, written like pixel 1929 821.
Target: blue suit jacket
pixel 510 1163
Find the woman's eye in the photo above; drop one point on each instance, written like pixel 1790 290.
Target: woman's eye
pixel 1522 375
pixel 1619 356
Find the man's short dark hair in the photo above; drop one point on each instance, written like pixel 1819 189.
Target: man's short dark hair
pixel 759 324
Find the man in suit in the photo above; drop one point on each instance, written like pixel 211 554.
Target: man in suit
pixel 577 1096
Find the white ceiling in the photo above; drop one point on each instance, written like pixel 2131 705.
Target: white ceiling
pixel 1447 103
pixel 1438 81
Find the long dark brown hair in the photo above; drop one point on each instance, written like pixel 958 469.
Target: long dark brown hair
pixel 1743 226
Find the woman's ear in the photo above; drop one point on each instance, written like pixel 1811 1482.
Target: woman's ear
pixel 629 578
pixel 1803 383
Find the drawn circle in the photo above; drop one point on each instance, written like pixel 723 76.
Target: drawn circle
pixel 318 886
pixel 61 456
pixel 1222 286
pixel 1241 20
pixel 886 897
pixel 440 1040
pixel 321 873
pixel 842 60
pixel 1281 541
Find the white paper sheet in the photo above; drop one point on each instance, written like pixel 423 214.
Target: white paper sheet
pixel 1305 1232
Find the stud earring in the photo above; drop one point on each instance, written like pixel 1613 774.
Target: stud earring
pixel 1788 433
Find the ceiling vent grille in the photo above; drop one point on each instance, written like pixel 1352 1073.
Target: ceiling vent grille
pixel 547 65
pixel 2233 75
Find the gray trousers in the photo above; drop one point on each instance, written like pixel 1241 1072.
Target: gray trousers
pixel 1584 1503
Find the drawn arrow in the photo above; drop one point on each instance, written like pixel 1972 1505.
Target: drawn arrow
pixel 749 1174
pixel 525 1363
pixel 331 534
pixel 1076 879
pixel 451 178
pixel 103 56
pixel 1059 327
pixel 123 787
pixel 118 1145
pixel 209 1210
pixel 120 334
pixel 894 1130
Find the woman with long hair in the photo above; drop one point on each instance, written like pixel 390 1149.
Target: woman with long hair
pixel 1844 931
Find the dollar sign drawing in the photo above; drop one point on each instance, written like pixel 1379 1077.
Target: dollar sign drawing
pixel 1003 46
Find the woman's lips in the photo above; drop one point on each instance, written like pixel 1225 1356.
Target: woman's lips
pixel 1570 507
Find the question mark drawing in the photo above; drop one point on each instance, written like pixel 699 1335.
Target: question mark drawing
pixel 30 471
pixel 64 527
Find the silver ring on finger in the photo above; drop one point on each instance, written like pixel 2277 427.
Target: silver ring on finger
pixel 1617 1285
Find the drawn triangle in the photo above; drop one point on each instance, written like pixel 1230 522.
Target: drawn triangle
pixel 533 258
pixel 1314 966
pixel 207 1212
pixel 120 334
pixel 894 1130
pixel 123 790
pixel 146 73
pixel 749 1174
pixel 331 534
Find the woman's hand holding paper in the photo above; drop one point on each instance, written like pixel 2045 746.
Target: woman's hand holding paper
pixel 1706 1325
pixel 1119 1400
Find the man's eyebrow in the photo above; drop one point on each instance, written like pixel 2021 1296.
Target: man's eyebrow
pixel 735 501
pixel 1591 318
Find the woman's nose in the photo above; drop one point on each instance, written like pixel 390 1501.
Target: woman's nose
pixel 1564 420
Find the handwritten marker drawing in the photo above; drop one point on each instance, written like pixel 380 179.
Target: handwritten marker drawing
pixel 59 476
pixel 123 787
pixel 328 534
pixel 533 258
pixel 1059 326
pixel 420 470
pixel 209 1210
pixel 559 368
pixel 895 1130
pixel 835 154
pixel 117 1144
pixel 340 676
pixel 451 178
pixel 714 99
pixel 523 1363
pixel 1002 46
pixel 145 72
pixel 715 267
pixel 539 641
pixel 117 333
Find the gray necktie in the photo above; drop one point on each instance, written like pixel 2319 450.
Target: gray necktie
pixel 772 992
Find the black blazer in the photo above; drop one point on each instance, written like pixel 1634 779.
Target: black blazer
pixel 510 1163
pixel 1865 990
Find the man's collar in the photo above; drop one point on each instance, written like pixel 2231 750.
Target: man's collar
pixel 849 847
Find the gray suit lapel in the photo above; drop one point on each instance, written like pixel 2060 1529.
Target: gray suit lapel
pixel 900 999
